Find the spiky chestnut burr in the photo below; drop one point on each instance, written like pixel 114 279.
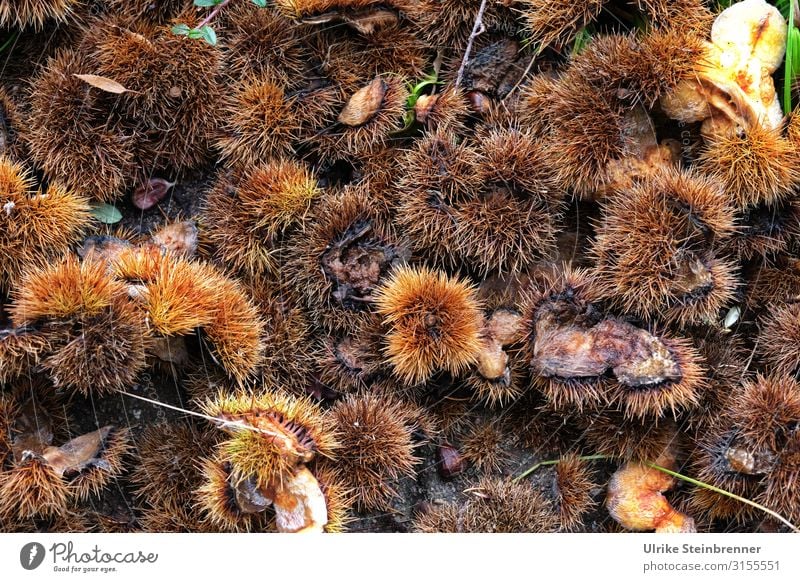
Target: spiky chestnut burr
pixel 280 432
pixel 172 519
pixel 556 23
pixel 31 488
pixel 73 520
pixel 778 336
pixel 433 323
pixel 560 304
pixel 766 230
pixel 658 249
pixel 636 501
pixel 722 459
pixel 755 165
pixel 726 360
pixel 349 60
pixel 165 471
pixel 484 445
pixel 671 52
pixel 306 8
pixel 171 81
pixel 230 503
pixel 446 110
pixel 542 430
pixel 11 122
pixel 258 122
pixel 366 121
pixel 42 480
pixel 178 296
pixel 236 331
pixel 773 283
pixel 447 24
pixel 248 216
pixel 780 492
pixel 572 348
pixel 497 378
pixel 511 221
pixel 668 381
pixel 289 351
pixel 69 132
pixel 343 257
pixel 766 410
pixel 574 485
pixel 263 43
pixel 20 350
pixel 348 361
pixel 439 171
pixel 102 457
pixel 587 132
pixel 237 503
pixel 639 69
pixel 533 101
pixel 80 306
pixel 9 410
pixel 752 448
pixel 35 226
pixel 156 11
pixel 692 15
pixel 610 432
pixel 377 449
pixel 493 505
pixel 34 13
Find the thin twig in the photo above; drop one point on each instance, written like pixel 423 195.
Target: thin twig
pixel 556 461
pixel 677 475
pixel 726 494
pixel 218 421
pixel 213 14
pixel 477 30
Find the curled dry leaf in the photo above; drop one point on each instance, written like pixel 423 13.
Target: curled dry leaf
pixel 366 22
pixel 103 83
pixel 151 193
pixel 300 505
pixel 77 454
pixel 364 103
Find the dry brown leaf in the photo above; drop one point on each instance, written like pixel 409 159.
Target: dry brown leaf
pixel 103 83
pixel 364 103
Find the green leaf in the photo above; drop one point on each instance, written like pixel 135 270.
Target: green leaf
pixel 208 35
pixel 260 3
pixel 106 213
pixel 581 40
pixel 181 29
pixel 207 3
pixel 791 66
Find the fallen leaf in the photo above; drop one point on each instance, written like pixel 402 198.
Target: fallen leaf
pixel 106 213
pixel 103 83
pixel 151 192
pixel 364 103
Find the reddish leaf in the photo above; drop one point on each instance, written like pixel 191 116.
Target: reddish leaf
pixel 149 194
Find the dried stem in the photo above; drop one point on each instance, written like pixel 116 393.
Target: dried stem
pixel 477 30
pixel 213 14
